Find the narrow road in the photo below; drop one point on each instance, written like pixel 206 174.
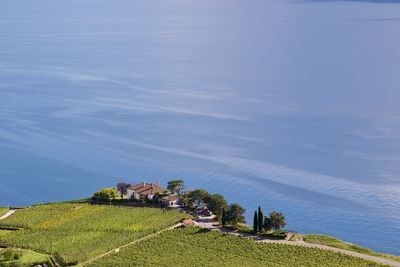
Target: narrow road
pixel 116 250
pixel 7 214
pixel 209 223
pixel 348 252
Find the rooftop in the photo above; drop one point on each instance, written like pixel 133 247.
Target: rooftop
pixel 170 198
pixel 147 189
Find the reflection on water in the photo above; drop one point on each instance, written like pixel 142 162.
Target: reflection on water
pixel 289 105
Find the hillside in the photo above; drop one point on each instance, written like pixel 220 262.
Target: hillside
pixel 76 232
pixel 197 247
pixel 104 235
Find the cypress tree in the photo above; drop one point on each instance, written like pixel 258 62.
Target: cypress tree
pixel 260 217
pixel 223 217
pixel 261 221
pixel 255 222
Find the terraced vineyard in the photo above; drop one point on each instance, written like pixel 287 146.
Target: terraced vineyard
pixel 195 247
pixel 80 231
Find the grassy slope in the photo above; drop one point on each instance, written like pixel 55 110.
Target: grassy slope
pixel 28 258
pixel 81 231
pixel 4 232
pixel 333 242
pixel 3 210
pixel 195 247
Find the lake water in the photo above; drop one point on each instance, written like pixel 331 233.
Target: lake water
pixel 291 105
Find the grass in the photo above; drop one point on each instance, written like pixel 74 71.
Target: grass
pixel 3 211
pixel 297 237
pixel 333 242
pixel 198 247
pixel 5 232
pixel 22 258
pixel 244 228
pixel 72 201
pixel 79 231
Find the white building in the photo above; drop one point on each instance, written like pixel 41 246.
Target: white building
pixel 144 190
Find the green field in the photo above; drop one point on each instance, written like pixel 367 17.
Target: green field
pixel 22 258
pixel 333 242
pixel 3 210
pixel 80 231
pixel 196 247
pixel 5 232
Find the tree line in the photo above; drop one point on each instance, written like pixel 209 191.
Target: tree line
pixel 228 214
pixel 274 221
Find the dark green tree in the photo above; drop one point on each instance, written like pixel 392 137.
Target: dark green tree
pixel 235 214
pixel 216 203
pixel 255 222
pixel 195 197
pixel 277 220
pixel 176 186
pixel 267 224
pixel 260 217
pixel 223 217
pixel 198 195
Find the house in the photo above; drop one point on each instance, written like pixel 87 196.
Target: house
pixel 189 222
pixel 172 201
pixel 144 191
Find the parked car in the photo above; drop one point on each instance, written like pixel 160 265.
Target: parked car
pixel 206 213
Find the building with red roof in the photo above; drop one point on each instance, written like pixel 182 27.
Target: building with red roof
pixel 145 190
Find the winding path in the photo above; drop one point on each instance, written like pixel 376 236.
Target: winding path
pixel 116 250
pixel 8 214
pixel 209 223
pixel 348 252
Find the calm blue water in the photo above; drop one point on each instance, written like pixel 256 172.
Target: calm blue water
pixel 292 105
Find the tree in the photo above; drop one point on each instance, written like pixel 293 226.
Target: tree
pixel 176 186
pixel 199 195
pixel 105 194
pixel 235 214
pixel 216 203
pixel 267 224
pixel 277 220
pixel 123 188
pixel 223 217
pixel 255 222
pixel 260 217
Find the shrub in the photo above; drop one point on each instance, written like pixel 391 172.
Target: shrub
pixel 60 260
pixel 10 254
pixel 281 234
pixel 276 221
pixel 106 194
pixel 235 214
pixel 244 228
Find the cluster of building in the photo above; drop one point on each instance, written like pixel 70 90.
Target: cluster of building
pixel 151 190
